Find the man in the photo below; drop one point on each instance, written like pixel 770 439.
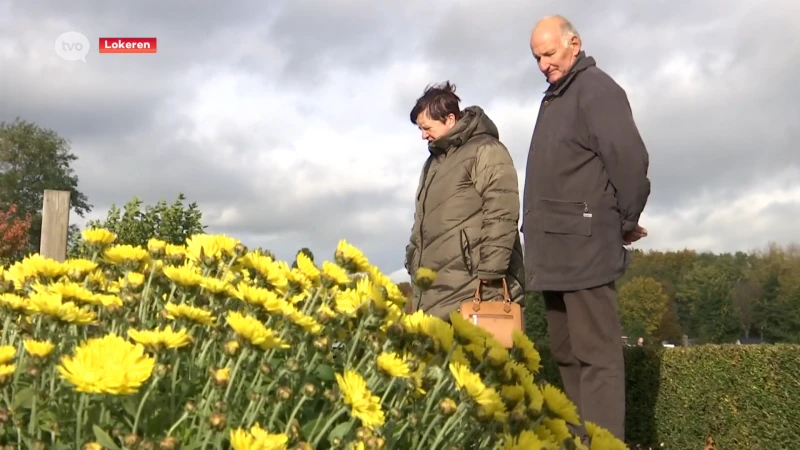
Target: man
pixel 466 225
pixel 585 188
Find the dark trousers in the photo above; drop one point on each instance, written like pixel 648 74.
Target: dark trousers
pixel 586 341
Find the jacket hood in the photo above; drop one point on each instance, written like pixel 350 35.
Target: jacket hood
pixel 473 123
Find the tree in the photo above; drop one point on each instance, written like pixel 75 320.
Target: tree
pixel 171 223
pixel 643 305
pixel 13 234
pixel 33 159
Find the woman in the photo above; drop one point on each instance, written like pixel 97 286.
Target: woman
pixel 467 207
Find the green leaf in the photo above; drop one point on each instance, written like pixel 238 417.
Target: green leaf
pixel 309 427
pixel 130 404
pixel 104 439
pixel 23 399
pixel 324 372
pixel 339 431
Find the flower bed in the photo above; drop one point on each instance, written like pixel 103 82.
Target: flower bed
pixel 209 345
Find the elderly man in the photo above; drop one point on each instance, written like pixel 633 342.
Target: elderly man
pixel 585 188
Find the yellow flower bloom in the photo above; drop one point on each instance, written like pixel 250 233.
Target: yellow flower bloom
pixel 363 405
pixel 334 274
pixel 257 439
pixel 302 320
pixel 351 258
pixel 527 440
pixel 217 286
pixel 13 302
pixel 308 268
pixel 158 339
pixel 259 296
pixel 393 365
pixel 126 254
pixel 602 439
pixel 35 266
pixel 199 315
pixel 557 402
pixel 107 365
pixel 424 278
pixel 186 275
pixel 214 246
pixel 7 353
pixel 73 291
pixel 557 428
pixel 132 279
pixel 7 370
pixel 38 349
pixel 348 302
pixel 79 266
pixel 527 351
pixel 98 236
pixel 254 331
pixel 156 245
pixel 51 304
pixel 482 395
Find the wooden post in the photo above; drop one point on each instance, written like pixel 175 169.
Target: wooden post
pixel 55 224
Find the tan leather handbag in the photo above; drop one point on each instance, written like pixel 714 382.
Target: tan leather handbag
pixel 499 317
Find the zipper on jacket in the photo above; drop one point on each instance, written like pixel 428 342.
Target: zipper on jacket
pixel 586 212
pixel 427 187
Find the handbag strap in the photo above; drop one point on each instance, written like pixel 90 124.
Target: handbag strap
pixel 476 301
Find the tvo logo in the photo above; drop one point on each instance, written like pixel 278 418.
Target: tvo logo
pixel 72 46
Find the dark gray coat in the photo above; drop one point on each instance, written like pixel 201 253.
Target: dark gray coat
pixel 586 183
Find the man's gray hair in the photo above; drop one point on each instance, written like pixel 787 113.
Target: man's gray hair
pixel 568 30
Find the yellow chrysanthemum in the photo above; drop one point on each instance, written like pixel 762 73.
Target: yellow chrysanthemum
pixel 351 258
pixel 126 255
pixel 424 278
pixel 363 405
pixel 98 236
pixel 254 331
pixel 527 351
pixel 158 339
pixel 302 320
pixel 602 439
pixel 195 314
pixel 132 279
pixel 7 370
pixel 257 439
pixel 187 275
pixel 482 395
pixel 259 296
pixel 307 266
pixel 156 245
pixel 51 304
pixel 7 353
pixel 557 402
pixel 38 349
pixel 213 246
pixel 107 365
pixel 79 267
pixel 527 440
pixel 393 365
pixel 334 274
pixel 13 302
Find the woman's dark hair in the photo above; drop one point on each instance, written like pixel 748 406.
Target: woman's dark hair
pixel 438 100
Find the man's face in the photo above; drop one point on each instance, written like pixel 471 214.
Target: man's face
pixel 554 58
pixel 434 129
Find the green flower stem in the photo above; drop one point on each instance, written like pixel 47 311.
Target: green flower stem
pixel 142 402
pixel 388 390
pixel 6 324
pixel 327 425
pixel 352 344
pixel 79 420
pixel 242 353
pixel 276 409
pixel 178 422
pixel 455 418
pixel 303 399
pixel 32 421
pixel 421 442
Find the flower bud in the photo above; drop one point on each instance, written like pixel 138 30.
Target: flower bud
pixel 362 433
pixel 321 344
pixel 240 250
pixel 232 348
pixel 293 364
pixel 309 390
pixel 284 393
pixel 221 376
pixel 217 421
pixel 375 442
pixel 447 406
pixel 220 406
pixel 303 446
pixel 92 446
pixel 395 413
pixel 189 407
pixel 330 395
pixel 161 370
pixel 131 440
pixel 169 443
pixel 265 369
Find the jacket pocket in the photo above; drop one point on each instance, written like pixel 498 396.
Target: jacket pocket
pixel 563 217
pixel 466 251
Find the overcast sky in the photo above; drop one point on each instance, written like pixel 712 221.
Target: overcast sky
pixel 287 121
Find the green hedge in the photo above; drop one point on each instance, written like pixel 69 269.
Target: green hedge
pixel 745 396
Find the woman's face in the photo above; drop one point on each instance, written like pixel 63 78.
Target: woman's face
pixel 434 129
